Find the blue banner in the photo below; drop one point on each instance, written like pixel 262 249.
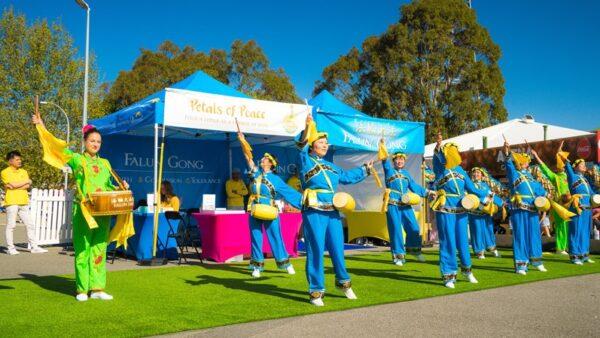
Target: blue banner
pixel 193 167
pixel 364 133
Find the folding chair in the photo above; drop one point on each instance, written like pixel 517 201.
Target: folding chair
pixel 181 236
pixel 193 233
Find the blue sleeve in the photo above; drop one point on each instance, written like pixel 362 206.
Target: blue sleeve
pixel 470 186
pixel 388 170
pixel 511 171
pixel 289 194
pixel 498 201
pixel 352 176
pixel 439 164
pixel 303 158
pixel 571 177
pixel 415 187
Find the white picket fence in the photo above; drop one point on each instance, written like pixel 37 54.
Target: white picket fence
pixel 51 212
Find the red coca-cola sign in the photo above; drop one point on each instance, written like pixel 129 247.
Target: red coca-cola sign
pixel 584 148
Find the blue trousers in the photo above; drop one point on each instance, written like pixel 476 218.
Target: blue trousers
pixel 323 229
pixel 481 228
pixel 527 238
pixel 398 218
pixel 273 230
pixel 452 232
pixel 579 236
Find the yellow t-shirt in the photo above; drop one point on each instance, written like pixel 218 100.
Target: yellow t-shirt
pixel 294 182
pixel 236 190
pixel 15 196
pixel 173 203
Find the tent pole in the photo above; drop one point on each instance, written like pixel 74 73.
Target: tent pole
pixel 155 181
pixel 230 154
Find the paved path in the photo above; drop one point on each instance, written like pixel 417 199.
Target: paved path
pixel 526 310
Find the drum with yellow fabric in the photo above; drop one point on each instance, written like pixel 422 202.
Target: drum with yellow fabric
pixel 264 212
pixel 109 203
pixel 344 202
pixel 595 200
pixel 542 203
pixel 470 202
pixel 411 198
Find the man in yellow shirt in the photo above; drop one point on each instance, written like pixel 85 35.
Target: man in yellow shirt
pixel 294 181
pixel 16 182
pixel 236 190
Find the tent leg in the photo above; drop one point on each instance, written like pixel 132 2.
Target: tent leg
pixel 155 181
pixel 230 158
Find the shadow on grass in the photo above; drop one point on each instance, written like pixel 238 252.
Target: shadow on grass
pixel 396 275
pixel 251 285
pixel 56 284
pixel 4 287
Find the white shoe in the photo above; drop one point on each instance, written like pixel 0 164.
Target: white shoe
pixel 589 260
pixel 449 285
pixel 290 270
pixel 562 252
pixel 317 302
pixel 421 258
pixel 81 297
pixel 541 268
pixel 496 253
pixel 37 250
pixel 349 293
pixel 471 278
pixel 480 256
pixel 522 272
pixel 101 295
pixel 256 273
pixel 12 252
pixel 578 263
pixel 398 263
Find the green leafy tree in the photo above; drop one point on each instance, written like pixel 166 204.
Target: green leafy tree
pixel 40 59
pixel 436 65
pixel 245 68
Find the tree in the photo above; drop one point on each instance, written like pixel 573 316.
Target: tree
pixel 246 68
pixel 436 65
pixel 39 59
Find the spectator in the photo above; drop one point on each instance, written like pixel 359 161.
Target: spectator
pixel 16 182
pixel 236 190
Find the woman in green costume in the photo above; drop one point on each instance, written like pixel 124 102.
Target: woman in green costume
pixel 90 233
pixel 561 188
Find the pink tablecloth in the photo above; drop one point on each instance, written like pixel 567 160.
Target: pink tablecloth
pixel 228 235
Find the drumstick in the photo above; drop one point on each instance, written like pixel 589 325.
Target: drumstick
pixel 504 137
pixel 36 104
pixel 237 125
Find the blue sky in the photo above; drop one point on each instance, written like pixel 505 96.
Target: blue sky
pixel 550 49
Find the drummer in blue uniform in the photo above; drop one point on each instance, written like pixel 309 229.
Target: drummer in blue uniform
pixel 581 204
pixel 321 221
pixel 265 187
pixel 400 215
pixel 524 218
pixel 481 223
pixel 452 183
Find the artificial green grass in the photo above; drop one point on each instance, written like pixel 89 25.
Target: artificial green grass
pixel 156 301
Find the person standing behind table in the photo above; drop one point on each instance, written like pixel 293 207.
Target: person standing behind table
pixel 527 239
pixel 236 190
pixel 168 198
pixel 16 182
pixel 294 181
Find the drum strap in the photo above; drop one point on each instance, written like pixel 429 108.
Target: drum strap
pixel 309 197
